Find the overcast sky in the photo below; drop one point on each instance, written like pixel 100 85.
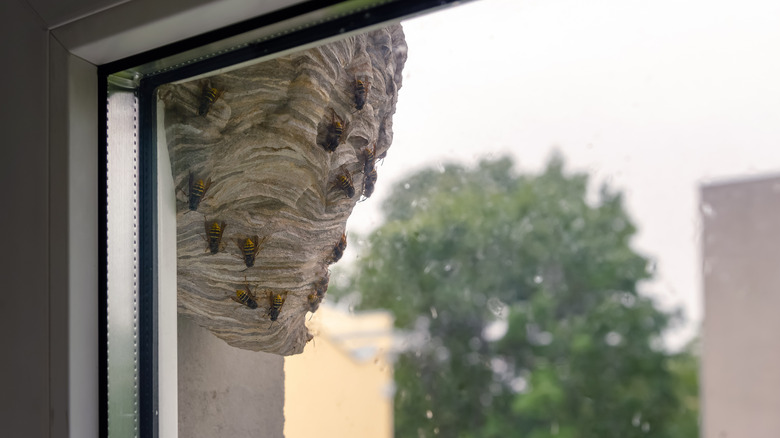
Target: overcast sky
pixel 655 98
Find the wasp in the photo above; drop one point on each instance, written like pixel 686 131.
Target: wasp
pixel 338 250
pixel 277 301
pixel 344 182
pixel 197 191
pixel 335 132
pixel 361 92
pixel 208 96
pixel 321 286
pixel 249 248
pixel 214 232
pixel 247 298
pixel 314 302
pixel 369 159
pixel 368 184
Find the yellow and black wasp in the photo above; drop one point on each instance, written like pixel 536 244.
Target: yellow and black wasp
pixel 344 182
pixel 335 132
pixel 369 171
pixel 208 96
pixel 369 158
pixel 214 232
pixel 321 286
pixel 338 250
pixel 314 302
pixel 361 93
pixel 247 298
pixel 197 191
pixel 368 184
pixel 276 303
pixel 249 248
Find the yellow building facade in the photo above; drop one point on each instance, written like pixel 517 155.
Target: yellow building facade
pixel 342 384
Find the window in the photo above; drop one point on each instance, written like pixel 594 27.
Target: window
pixel 140 359
pixel 521 257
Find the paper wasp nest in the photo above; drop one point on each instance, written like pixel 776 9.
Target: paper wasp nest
pixel 257 139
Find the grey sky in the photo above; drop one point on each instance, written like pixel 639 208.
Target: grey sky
pixel 653 97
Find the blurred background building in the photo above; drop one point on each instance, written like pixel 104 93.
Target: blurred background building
pixel 342 384
pixel 740 371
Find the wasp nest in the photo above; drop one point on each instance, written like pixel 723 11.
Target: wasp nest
pixel 269 161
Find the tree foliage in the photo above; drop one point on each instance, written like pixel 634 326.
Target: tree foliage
pixel 463 251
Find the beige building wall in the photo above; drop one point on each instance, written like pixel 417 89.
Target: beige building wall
pixel 741 333
pixel 342 384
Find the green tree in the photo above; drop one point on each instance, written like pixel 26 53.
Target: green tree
pixel 463 250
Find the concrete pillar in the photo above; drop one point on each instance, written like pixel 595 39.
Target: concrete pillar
pixel 225 391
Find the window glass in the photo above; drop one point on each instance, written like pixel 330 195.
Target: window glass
pixel 467 227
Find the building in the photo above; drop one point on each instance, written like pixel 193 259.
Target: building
pixel 342 385
pixel 740 371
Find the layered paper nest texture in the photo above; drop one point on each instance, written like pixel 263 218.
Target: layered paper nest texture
pixel 261 148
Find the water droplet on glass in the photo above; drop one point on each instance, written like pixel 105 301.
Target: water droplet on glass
pixel 495 330
pixel 613 339
pixel 406 186
pixel 442 354
pixel 637 419
pixel 434 314
pixel 543 338
pixel 518 384
pixel 538 279
pixel 495 306
pixel 498 365
pixel 652 266
pixel 429 414
pixel 707 266
pixel 448 267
